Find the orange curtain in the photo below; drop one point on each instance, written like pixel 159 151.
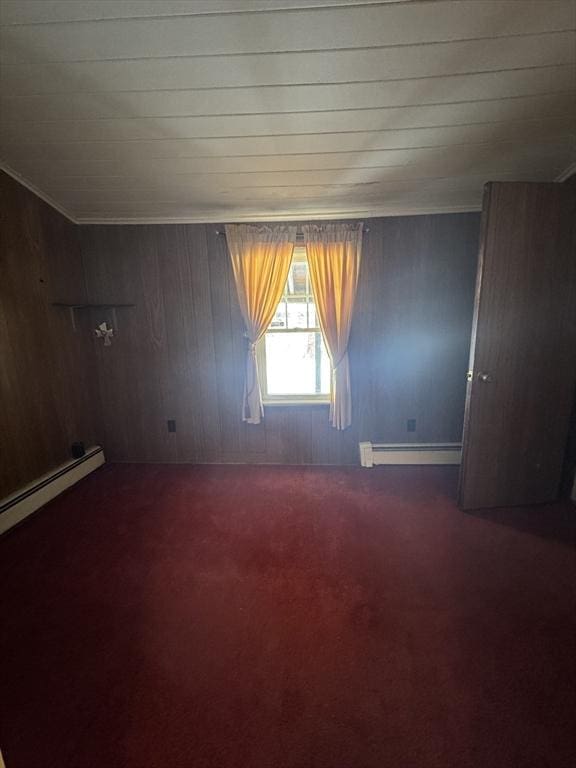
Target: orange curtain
pixel 334 252
pixel 261 257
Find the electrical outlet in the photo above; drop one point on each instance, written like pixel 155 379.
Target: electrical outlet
pixel 411 425
pixel 171 425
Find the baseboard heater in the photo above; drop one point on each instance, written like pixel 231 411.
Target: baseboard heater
pixel 14 508
pixel 372 454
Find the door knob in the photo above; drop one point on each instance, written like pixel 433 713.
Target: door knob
pixel 485 378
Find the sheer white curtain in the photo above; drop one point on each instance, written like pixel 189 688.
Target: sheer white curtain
pixel 261 257
pixel 334 252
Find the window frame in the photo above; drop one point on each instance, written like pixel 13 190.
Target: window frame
pixel 298 254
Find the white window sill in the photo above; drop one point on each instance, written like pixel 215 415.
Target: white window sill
pixel 275 403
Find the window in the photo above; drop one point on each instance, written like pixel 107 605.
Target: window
pixel 292 359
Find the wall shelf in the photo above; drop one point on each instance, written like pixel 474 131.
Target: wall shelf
pixel 73 307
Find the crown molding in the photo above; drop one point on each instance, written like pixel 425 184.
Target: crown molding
pixel 567 172
pixel 38 192
pixel 220 217
pixel 217 217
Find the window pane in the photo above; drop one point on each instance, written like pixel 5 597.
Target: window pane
pixel 297 278
pixel 297 314
pixel 312 321
pixel 296 364
pixel 325 368
pixel 279 319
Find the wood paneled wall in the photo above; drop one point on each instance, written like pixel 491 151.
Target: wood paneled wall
pixel 46 396
pixel 569 470
pixel 179 353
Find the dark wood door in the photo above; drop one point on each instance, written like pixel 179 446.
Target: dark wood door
pixel 523 353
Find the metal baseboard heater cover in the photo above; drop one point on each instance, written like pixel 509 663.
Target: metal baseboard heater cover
pixel 17 506
pixel 372 454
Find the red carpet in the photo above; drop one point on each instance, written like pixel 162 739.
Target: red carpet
pixel 279 617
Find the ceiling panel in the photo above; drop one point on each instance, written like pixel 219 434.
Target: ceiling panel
pixel 532 131
pixel 52 11
pixel 171 109
pixel 460 194
pixel 269 123
pixel 338 66
pixel 429 167
pixel 45 171
pixel 300 30
pixel 505 84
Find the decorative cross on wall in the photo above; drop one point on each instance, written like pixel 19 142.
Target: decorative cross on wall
pixel 103 332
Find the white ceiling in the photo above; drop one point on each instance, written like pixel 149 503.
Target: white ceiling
pixel 225 110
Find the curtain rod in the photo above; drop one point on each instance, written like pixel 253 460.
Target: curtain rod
pixel 299 235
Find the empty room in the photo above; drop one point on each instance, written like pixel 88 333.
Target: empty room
pixel 287 383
